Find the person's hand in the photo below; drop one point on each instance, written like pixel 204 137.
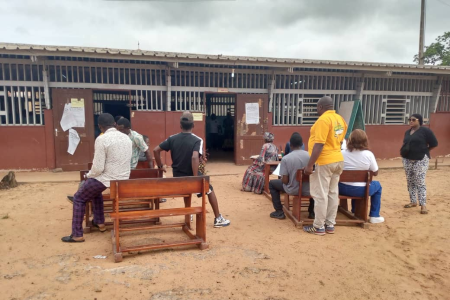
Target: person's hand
pixel 308 170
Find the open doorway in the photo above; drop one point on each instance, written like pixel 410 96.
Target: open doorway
pixel 117 103
pixel 220 122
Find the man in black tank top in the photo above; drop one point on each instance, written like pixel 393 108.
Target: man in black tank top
pixel 185 150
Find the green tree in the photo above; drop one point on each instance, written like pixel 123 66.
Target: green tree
pixel 437 53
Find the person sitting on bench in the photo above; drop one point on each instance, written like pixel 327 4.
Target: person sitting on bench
pixel 139 145
pixel 295 160
pixel 185 150
pixel 357 156
pixel 287 148
pixel 142 154
pixel 112 157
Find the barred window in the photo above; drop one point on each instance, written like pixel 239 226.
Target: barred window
pixel 21 105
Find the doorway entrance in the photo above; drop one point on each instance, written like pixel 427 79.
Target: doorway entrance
pixel 116 103
pixel 220 110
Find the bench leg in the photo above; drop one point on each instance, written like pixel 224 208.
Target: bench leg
pixel 115 239
pixel 200 227
pixel 187 218
pixel 297 208
pixel 155 204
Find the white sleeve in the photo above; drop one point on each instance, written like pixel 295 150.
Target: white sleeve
pixel 373 162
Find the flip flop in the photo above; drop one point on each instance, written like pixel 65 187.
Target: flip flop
pixel 96 225
pixel 69 239
pixel 424 212
pixel 410 205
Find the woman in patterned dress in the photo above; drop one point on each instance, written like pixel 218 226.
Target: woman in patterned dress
pixel 253 180
pixel 417 143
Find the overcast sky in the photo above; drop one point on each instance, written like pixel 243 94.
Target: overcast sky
pixel 362 30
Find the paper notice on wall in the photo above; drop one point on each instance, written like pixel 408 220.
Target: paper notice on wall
pixel 68 120
pixel 74 140
pixel 252 113
pixel 78 114
pixel 74 102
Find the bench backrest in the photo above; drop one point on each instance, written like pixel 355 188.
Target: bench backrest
pixel 346 176
pixel 159 187
pixel 135 174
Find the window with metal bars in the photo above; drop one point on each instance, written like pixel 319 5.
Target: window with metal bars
pixel 22 106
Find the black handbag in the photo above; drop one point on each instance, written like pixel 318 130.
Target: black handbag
pixel 404 150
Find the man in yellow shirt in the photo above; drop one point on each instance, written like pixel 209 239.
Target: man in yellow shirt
pixel 324 147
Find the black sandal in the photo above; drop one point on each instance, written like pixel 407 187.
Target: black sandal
pixel 96 225
pixel 69 239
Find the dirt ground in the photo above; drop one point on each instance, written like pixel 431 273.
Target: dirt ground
pixel 256 257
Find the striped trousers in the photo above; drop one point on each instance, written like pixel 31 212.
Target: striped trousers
pixel 91 190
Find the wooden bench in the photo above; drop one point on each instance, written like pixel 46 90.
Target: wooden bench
pixel 107 200
pixel 267 172
pixel 124 190
pixel 362 205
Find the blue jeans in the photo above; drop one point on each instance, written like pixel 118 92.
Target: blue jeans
pixel 358 191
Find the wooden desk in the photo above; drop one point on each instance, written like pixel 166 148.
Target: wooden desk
pixel 267 173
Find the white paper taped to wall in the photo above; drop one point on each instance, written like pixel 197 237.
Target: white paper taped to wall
pixel 68 120
pixel 252 113
pixel 74 140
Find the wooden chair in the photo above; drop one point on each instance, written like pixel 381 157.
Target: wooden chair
pixel 267 172
pixel 107 200
pixel 124 190
pixel 361 209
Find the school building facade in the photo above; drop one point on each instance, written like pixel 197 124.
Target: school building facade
pixel 152 89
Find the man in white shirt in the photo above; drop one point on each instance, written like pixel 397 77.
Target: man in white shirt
pixel 111 162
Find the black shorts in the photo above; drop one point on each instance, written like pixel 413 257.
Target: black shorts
pixel 210 186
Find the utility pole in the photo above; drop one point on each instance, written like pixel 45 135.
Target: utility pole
pixel 422 32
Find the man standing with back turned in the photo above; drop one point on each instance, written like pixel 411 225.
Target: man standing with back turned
pixel 185 150
pixel 324 147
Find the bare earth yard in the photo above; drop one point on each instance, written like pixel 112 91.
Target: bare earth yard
pixel 407 257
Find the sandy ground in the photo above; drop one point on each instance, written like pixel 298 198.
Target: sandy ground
pixel 256 257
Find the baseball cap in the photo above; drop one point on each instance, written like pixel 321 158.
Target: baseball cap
pixel 187 117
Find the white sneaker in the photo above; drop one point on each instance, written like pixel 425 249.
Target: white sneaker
pixel 375 220
pixel 221 222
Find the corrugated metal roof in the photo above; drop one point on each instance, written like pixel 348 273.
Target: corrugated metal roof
pixel 193 57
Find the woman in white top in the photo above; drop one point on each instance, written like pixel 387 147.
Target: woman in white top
pixel 357 156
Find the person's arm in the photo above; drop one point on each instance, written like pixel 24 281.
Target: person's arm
pixel 157 153
pixel 317 150
pixel 98 164
pixel 373 166
pixel 431 140
pixel 140 143
pixel 322 129
pixel 284 173
pixel 149 158
pixel 195 162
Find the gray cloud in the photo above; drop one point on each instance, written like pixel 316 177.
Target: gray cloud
pixel 365 30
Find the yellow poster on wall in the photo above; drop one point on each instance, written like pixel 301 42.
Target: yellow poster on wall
pixel 77 102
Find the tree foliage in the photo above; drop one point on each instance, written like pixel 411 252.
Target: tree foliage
pixel 437 53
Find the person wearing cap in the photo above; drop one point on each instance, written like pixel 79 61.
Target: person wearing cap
pixel 139 145
pixel 186 150
pixel 254 178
